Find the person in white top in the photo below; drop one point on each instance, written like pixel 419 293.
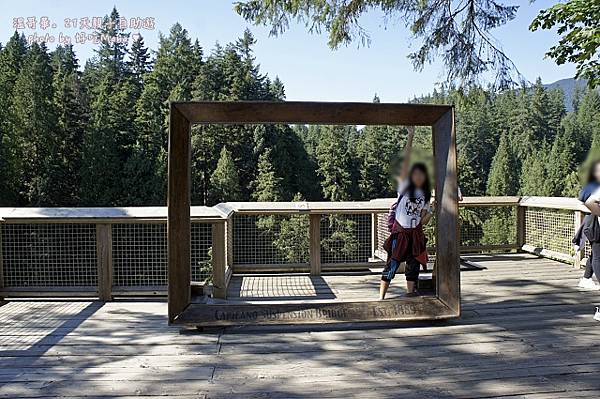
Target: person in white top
pixel 590 195
pixel 411 205
pixel 407 241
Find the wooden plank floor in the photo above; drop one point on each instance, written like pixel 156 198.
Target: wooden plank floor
pixel 526 332
pixel 347 286
pixel 302 287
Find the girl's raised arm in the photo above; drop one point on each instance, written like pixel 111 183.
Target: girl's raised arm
pixel 407 150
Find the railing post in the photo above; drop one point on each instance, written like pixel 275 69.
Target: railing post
pixel 229 239
pixel 520 227
pixel 104 254
pixel 374 236
pixel 314 249
pixel 578 217
pixel 219 261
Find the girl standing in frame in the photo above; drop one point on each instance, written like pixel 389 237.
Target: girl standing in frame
pixel 407 242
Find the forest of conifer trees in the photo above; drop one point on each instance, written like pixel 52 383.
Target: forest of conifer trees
pixel 95 134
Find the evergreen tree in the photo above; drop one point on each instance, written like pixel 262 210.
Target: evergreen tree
pixel 34 123
pixel 289 158
pixel 579 141
pixel 572 185
pixel 267 186
pixel 498 227
pixel 378 150
pixel 588 115
pixel 338 174
pixel 231 73
pixel 476 140
pixel 139 64
pixel 102 168
pixel 560 165
pixel 534 177
pixel 110 137
pixel 168 80
pixel 292 239
pixel 11 61
pixel 277 89
pixel 113 48
pixel 67 138
pixel 503 179
pixel 225 183
pixel 538 107
pixel 71 109
pixel 335 164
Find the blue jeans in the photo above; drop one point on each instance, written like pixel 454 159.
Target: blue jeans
pixel 411 271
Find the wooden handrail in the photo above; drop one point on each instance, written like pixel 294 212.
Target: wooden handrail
pixel 307 207
pixel 104 214
pixel 225 210
pixel 572 204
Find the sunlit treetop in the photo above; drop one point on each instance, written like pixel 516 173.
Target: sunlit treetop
pixel 456 32
pixel 578 23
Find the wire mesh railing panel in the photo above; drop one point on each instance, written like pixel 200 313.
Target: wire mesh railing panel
pixel 480 227
pixel 345 238
pixel 488 226
pixel 201 257
pixel 550 229
pixel 270 239
pixel 140 254
pixel 49 255
pixel 382 230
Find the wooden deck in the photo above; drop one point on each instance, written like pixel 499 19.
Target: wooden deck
pixel 525 332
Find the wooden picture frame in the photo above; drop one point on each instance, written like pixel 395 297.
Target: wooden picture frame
pixel 445 304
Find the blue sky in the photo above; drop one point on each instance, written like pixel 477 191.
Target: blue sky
pixel 308 68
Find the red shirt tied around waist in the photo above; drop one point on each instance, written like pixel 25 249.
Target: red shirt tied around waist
pixel 410 242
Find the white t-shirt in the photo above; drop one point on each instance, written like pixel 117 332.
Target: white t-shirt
pixel 408 211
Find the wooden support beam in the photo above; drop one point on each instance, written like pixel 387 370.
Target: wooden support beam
pixel 447 303
pixel 105 261
pixel 420 308
pixel 578 217
pixel 179 223
pixel 312 112
pixel 521 232
pixel 315 245
pixel 229 241
pixel 447 228
pixel 219 261
pixel 374 236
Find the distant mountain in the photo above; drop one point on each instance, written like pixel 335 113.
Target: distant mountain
pixel 568 86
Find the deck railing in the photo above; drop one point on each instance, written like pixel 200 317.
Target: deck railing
pixel 95 251
pixel 549 224
pixel 108 252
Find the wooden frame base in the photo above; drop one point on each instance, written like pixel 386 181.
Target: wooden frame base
pixel 219 315
pixel 446 304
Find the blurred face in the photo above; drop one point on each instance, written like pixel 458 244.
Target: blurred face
pixel 418 178
pixel 597 172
